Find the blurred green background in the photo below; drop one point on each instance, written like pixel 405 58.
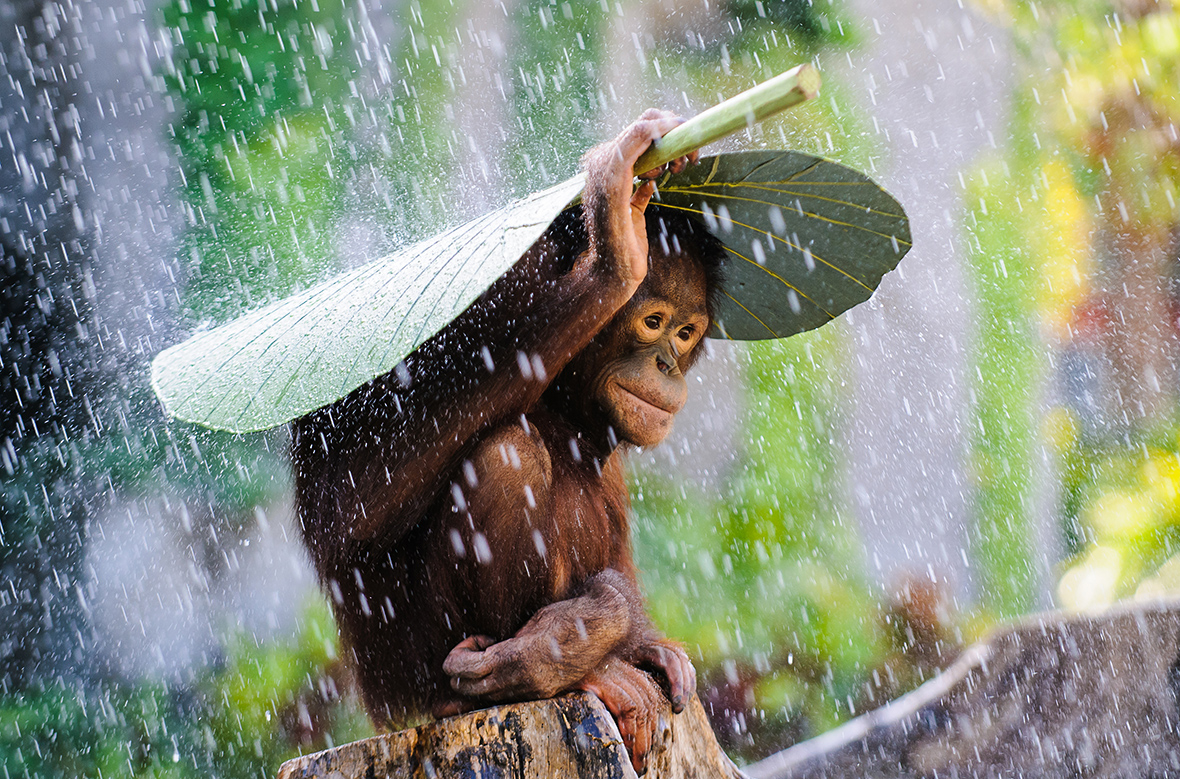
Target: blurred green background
pixel 279 141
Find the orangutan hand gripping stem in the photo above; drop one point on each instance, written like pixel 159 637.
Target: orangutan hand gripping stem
pixel 467 513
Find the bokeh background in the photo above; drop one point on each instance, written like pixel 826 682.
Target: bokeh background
pixel 995 433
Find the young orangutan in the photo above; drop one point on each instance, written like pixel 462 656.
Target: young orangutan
pixel 468 513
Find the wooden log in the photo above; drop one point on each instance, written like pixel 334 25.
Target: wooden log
pixel 1055 696
pixel 570 736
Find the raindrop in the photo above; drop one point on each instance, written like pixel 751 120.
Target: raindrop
pixel 483 550
pixel 777 223
pixel 724 219
pixel 710 217
pixel 525 366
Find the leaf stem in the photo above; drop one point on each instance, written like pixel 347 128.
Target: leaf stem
pixel 739 112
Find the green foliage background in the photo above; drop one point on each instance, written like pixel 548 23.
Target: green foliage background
pixel 1080 198
pixel 241 718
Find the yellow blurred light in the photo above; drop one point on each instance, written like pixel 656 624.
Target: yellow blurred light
pixel 1091 585
pixel 1064 248
pixel 1161 34
pixel 1162 475
pixel 1151 589
pixel 1164 583
pixel 1059 429
pixel 1085 93
pixel 1119 515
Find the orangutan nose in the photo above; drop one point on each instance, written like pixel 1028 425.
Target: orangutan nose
pixel 667 364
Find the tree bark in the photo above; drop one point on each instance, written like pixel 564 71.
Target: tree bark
pixel 1054 696
pixel 571 736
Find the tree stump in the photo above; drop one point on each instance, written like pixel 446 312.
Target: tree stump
pixel 1054 696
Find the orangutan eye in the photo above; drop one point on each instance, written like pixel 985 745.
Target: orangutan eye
pixel 686 333
pixel 653 322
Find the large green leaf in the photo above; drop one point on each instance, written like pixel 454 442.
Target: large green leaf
pixel 294 356
pixel 806 240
